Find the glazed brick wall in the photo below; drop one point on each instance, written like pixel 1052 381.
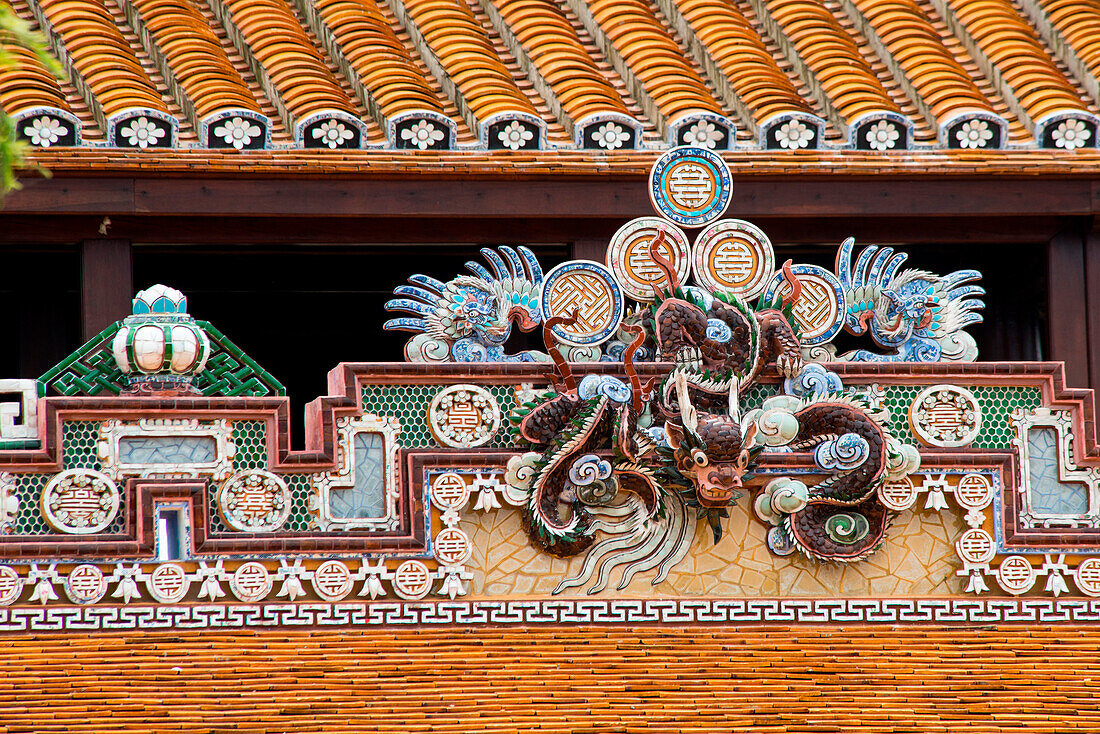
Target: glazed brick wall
pixel 606 679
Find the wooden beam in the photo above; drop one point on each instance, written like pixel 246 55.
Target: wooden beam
pixel 1092 306
pixel 549 197
pixel 589 249
pixel 1067 302
pixel 106 283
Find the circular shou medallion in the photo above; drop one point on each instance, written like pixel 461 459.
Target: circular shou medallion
pixel 168 583
pixel 412 580
pixel 452 547
pixel 733 256
pixel 974 491
pixel 975 546
pixel 463 416
pixel 589 289
pixel 80 501
pixel 819 312
pixel 1015 575
pixel 899 495
pixel 85 584
pixel 11 586
pixel 690 186
pixel 332 580
pixel 251 582
pixel 1087 576
pixel 945 415
pixel 450 491
pixel 628 256
pixel 254 501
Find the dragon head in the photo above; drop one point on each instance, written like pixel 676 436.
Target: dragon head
pixel 710 453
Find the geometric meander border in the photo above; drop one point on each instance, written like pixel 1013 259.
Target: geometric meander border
pixel 551 612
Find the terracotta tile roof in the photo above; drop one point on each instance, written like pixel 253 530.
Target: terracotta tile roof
pixel 1012 72
pixel 98 56
pixel 695 679
pixel 191 56
pixel 743 61
pixel 284 59
pixel 28 84
pixel 380 62
pixel 572 83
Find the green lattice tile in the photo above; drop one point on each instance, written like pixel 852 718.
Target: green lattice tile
pixel 409 404
pixel 997 404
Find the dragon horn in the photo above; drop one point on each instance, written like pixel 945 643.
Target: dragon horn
pixel 796 285
pixel 628 365
pixel 563 374
pixel 688 414
pixel 735 401
pixel 662 262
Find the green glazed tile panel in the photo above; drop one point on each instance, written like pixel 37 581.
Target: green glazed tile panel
pixel 409 404
pixel 996 403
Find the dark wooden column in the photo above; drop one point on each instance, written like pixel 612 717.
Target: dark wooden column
pixel 106 284
pixel 1067 304
pixel 1091 307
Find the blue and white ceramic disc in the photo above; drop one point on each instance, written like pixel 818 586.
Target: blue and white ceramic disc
pixel 591 290
pixel 690 186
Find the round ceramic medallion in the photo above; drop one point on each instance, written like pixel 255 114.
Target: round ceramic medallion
pixel 690 186
pixel 629 259
pixel 168 583
pixel 449 491
pixel 80 501
pixel 11 586
pixel 946 416
pixel 733 256
pixel 254 501
pixel 1015 575
pixel 819 311
pixel 1087 576
pixel 85 584
pixel 452 547
pixel 899 495
pixel 332 580
pixel 463 416
pixel 251 582
pixel 974 491
pixel 589 290
pixel 412 580
pixel 976 546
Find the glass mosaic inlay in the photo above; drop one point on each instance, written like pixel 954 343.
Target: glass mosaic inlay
pixel 167 450
pixel 1049 495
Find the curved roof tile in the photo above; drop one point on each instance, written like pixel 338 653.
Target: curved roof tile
pixel 194 56
pixel 99 53
pixel 546 37
pixel 27 83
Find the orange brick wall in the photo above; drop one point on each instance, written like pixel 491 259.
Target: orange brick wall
pixel 760 680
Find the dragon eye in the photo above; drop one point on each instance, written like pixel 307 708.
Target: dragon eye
pixel 699 457
pixel 743 460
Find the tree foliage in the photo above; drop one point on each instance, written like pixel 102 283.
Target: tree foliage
pixel 16 37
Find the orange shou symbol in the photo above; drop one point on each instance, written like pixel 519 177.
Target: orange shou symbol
pixel 640 265
pixel 945 418
pixel 9 582
pixel 464 417
pixel 255 501
pixel 80 503
pixel 690 185
pixel 1016 573
pixel 332 578
pixel 733 262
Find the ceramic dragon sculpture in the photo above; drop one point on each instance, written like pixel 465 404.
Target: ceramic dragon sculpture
pixel 468 318
pixel 635 467
pixel 916 315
